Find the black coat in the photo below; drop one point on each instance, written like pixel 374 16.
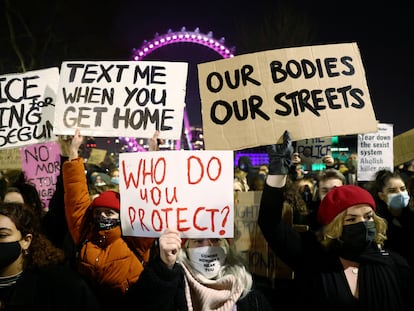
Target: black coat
pixel 162 289
pixel 384 280
pixel 49 289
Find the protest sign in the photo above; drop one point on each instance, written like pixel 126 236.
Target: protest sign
pixel 41 165
pixel 191 191
pixel 312 91
pixel 250 242
pixel 312 150
pixel 121 98
pixel 10 159
pixel 404 147
pixel 375 152
pixel 248 238
pixel 27 107
pixel 97 156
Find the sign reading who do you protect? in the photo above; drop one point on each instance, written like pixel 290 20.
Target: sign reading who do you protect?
pixel 191 191
pixel 121 98
pixel 312 91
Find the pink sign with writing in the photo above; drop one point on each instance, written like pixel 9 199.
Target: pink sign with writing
pixel 41 165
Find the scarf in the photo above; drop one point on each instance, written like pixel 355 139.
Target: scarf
pixel 379 285
pixel 210 295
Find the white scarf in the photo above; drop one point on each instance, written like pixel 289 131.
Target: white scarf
pixel 203 294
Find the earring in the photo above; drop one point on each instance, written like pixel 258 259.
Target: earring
pixel 25 252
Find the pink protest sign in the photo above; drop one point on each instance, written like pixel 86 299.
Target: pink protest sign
pixel 41 165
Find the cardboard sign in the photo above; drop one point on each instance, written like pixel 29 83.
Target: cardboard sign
pixel 41 165
pixel 248 238
pixel 97 156
pixel 313 91
pixel 27 107
pixel 404 147
pixel 128 99
pixel 191 191
pixel 375 152
pixel 10 159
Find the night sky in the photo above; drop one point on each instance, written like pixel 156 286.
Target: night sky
pixel 109 30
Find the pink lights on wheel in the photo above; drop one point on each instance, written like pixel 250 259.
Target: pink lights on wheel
pixel 183 36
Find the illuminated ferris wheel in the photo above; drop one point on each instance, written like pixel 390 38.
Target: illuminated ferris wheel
pixel 150 50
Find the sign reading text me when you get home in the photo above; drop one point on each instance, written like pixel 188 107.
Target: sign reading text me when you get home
pixel 121 98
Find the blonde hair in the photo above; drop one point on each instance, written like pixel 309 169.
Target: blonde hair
pixel 234 265
pixel 333 231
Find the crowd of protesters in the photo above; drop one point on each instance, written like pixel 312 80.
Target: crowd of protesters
pixel 80 234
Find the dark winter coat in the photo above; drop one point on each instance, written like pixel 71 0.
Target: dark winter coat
pixel 49 289
pixel 383 280
pixel 162 289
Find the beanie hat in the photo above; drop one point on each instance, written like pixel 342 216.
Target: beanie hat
pixel 108 199
pixel 339 199
pixel 245 163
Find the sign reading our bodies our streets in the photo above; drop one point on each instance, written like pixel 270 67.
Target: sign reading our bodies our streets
pixel 27 106
pixel 312 91
pixel 191 191
pixel 121 98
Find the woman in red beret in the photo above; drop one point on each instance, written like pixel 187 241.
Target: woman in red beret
pixel 343 266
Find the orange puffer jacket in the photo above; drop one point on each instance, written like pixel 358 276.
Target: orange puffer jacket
pixel 105 258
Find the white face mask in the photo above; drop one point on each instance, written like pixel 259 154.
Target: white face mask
pixel 207 260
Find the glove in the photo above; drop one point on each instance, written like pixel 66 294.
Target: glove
pixel 280 156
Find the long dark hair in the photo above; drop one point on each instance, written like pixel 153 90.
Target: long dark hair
pixel 41 251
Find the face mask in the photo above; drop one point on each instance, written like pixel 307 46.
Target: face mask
pixel 355 239
pixel 9 252
pixel 105 223
pixel 398 200
pixel 307 194
pixel 207 260
pixel 115 180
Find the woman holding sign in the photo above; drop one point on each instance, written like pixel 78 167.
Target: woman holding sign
pixel 110 261
pixel 344 265
pixel 196 274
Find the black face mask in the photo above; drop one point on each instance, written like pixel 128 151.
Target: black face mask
pixel 307 194
pixel 356 238
pixel 9 252
pixel 104 223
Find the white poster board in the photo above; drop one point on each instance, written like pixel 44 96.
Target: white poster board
pixel 191 191
pixel 27 103
pixel 375 152
pixel 121 98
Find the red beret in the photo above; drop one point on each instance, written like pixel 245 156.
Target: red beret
pixel 108 199
pixel 339 199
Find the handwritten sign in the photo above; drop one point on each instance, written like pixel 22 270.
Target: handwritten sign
pixel 375 152
pixel 27 106
pixel 121 98
pixel 41 165
pixel 404 147
pixel 313 91
pixel 313 150
pixel 188 190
